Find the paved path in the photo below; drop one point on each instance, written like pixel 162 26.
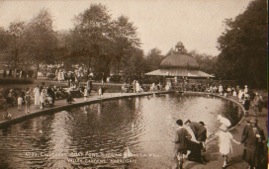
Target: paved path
pixel 235 159
pixel 212 155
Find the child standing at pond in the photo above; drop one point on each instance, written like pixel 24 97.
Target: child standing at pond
pixel 225 143
pixel 101 92
pixel 85 94
pixel 19 102
pixel 246 105
pixel 27 102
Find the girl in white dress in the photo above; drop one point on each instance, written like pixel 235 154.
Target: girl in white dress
pixel 42 98
pixel 19 102
pixel 101 92
pixel 37 95
pixel 86 94
pixel 225 143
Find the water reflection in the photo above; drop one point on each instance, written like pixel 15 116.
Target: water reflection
pixel 143 127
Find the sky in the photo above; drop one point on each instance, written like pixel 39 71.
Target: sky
pixel 160 23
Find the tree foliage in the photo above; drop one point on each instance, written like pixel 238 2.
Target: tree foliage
pixel 11 45
pixel 99 42
pixel 206 62
pixel 41 38
pixel 124 38
pixel 153 59
pixel 91 37
pixel 243 46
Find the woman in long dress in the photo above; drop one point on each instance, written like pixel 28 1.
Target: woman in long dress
pixel 36 95
pixel 42 98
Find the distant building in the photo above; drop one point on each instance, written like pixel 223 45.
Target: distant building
pixel 179 64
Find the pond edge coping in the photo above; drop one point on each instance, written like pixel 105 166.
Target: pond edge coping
pixel 51 110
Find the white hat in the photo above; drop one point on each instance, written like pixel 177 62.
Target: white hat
pixel 223 127
pixel 224 120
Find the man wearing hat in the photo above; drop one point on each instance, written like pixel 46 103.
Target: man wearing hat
pixel 254 142
pixel 257 104
pixel 198 129
pixel 245 133
pixel 182 138
pixel 246 105
pixel 200 133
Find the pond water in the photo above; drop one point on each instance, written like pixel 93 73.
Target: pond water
pixel 103 135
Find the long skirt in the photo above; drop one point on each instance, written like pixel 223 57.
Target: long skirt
pixel 195 149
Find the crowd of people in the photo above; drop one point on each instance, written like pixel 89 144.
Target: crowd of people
pixel 42 96
pixel 136 87
pixel 190 141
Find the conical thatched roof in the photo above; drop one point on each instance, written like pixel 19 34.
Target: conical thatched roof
pixel 179 60
pixel 179 72
pixel 179 64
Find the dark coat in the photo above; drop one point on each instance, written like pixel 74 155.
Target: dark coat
pixel 254 151
pixel 182 138
pixel 199 131
pixel 246 104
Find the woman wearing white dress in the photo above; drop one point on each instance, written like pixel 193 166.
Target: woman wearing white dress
pixel 42 98
pixel 240 96
pixel 36 95
pixel 220 89
pixel 137 86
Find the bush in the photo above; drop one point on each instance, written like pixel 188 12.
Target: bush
pixel 51 75
pixel 115 78
pixel 153 79
pixel 7 81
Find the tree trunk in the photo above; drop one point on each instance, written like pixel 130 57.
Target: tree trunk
pixel 15 72
pixel 37 70
pixel 118 66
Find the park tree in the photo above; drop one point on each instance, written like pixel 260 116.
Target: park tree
pixel 11 45
pixel 206 62
pixel 91 38
pixel 41 39
pixel 124 38
pixel 153 59
pixel 15 54
pixel 4 39
pixel 243 46
pixel 62 51
pixel 3 44
pixel 134 64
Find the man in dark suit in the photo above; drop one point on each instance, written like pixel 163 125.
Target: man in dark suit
pixel 200 133
pixel 254 140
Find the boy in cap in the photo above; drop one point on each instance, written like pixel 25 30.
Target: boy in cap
pixel 182 138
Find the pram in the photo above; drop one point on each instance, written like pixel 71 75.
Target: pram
pixel 48 101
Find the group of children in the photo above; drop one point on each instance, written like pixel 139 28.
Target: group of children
pixel 86 94
pixel 27 102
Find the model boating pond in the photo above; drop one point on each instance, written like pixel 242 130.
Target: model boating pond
pixel 125 133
